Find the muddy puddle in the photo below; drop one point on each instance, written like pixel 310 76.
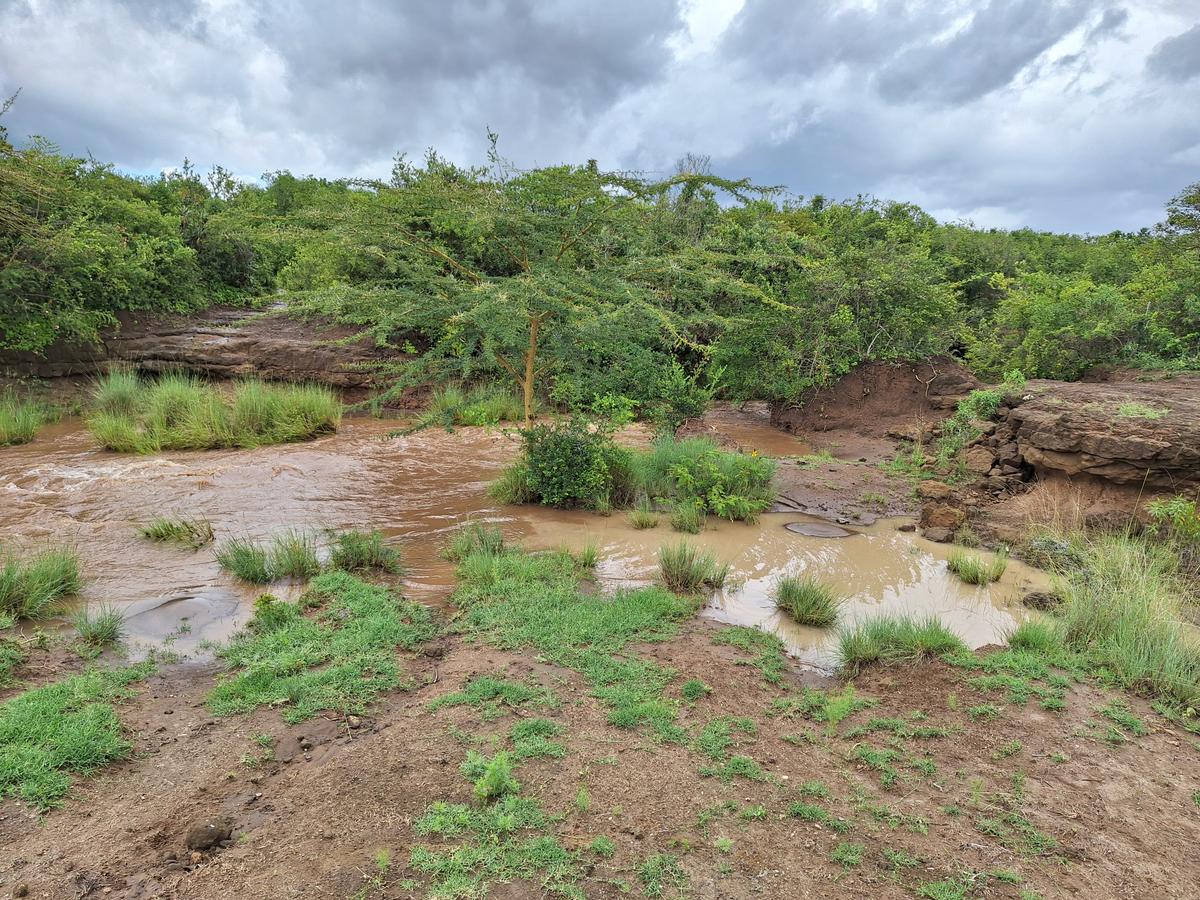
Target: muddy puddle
pixel 417 489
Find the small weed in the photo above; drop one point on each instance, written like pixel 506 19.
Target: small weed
pixel 1117 711
pixel 735 767
pixel 899 859
pixel 946 889
pixel 984 711
pixel 583 800
pixel 493 777
pixel 603 847
pixel 716 737
pixel 723 845
pixel 1012 748
pixel 755 813
pixel 770 658
pixel 847 854
pixel 531 738
pixel 810 812
pixel 1134 410
pixel 495 697
pixel 815 789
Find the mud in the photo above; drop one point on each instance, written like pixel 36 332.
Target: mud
pixel 417 489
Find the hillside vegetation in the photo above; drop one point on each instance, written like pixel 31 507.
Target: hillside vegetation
pixel 574 285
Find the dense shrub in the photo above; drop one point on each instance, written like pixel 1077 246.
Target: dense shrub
pixel 570 464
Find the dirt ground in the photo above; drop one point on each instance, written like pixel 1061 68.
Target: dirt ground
pixel 310 822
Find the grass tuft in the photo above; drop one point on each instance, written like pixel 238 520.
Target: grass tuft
pixel 974 569
pixel 892 639
pixel 474 537
pixel 685 570
pixel 19 419
pixel 31 586
pixel 291 554
pixel 190 533
pixel 103 629
pixel 808 601
pixel 357 551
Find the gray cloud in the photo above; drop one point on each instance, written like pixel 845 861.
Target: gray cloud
pixel 1177 58
pixel 1074 114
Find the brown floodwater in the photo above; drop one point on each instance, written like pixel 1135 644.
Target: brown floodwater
pixel 417 489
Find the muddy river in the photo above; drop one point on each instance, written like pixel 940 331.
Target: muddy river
pixel 416 489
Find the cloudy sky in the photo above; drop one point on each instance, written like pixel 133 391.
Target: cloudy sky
pixel 1079 115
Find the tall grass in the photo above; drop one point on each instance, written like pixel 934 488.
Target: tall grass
pixel 355 551
pixel 99 629
pixel 685 569
pixel 892 639
pixel 807 601
pixel 290 554
pixel 472 538
pixel 180 412
pixel 1121 607
pixel 482 404
pixel 974 569
pixel 734 486
pixel 19 419
pixel 31 586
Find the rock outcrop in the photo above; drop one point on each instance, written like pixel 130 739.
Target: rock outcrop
pixel 221 342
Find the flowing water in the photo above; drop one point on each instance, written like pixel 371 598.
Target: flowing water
pixel 417 489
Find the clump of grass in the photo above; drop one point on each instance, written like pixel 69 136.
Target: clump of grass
pixel 355 551
pixel 808 601
pixel 291 554
pixel 493 777
pixel 1121 609
pixel 474 537
pixel 892 639
pixel 190 533
pixel 1040 636
pixel 482 404
pixel 102 629
pixel 848 854
pixel 685 570
pixel 1131 409
pixel 659 872
pixel 339 658
pixel 19 419
pixel 31 586
pixel 688 517
pixel 494 697
pixel 61 729
pixel 643 516
pixel 975 569
pixel 180 412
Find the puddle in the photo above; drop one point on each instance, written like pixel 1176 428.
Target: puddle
pixel 417 489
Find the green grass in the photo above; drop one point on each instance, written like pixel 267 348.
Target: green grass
pixel 688 518
pixel 807 601
pixel 643 516
pixel 810 812
pixel 1134 410
pixel 360 551
pixel 659 872
pixel 482 404
pixel 63 729
pixel 495 697
pixel 129 414
pixel 474 537
pixel 847 854
pixel 32 585
pixel 103 628
pixel 290 554
pixel 19 419
pixel 339 658
pixel 735 486
pixel 766 649
pixel 974 569
pixel 693 689
pixel 531 738
pixel 893 639
pixel 523 601
pixel 687 570
pixel 190 533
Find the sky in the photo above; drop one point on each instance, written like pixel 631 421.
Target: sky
pixel 1069 115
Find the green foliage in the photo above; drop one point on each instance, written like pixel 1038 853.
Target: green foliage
pixel 660 872
pixel 190 533
pixel 767 649
pixel 291 554
pixel 180 412
pixel 495 697
pixel 1175 517
pixel 847 854
pixel 693 689
pixel 482 404
pixel 531 738
pixel 735 486
pixel 893 639
pixel 807 601
pixel 810 812
pixel 100 629
pixel 569 463
pixel 685 569
pixel 492 776
pixel 357 551
pixel 20 419
pixel 339 659
pixel 31 586
pixel 61 729
pixel 974 569
pixel 474 537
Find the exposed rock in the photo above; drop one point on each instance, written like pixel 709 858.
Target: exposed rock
pixel 941 515
pixel 978 460
pixel 220 342
pixel 938 535
pixel 1129 432
pixel 206 834
pixel 934 490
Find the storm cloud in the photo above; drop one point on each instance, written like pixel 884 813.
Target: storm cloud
pixel 1075 114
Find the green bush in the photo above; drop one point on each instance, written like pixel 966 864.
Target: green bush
pixel 807 601
pixel 181 412
pixel 572 464
pixel 736 486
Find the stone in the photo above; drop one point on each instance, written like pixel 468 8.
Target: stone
pixel 940 535
pixel 908 527
pixel 20 890
pixel 208 833
pixel 978 460
pixel 934 490
pixel 941 515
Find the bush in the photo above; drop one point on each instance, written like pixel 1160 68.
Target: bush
pixel 807 601
pixel 30 587
pixel 571 464
pixel 181 412
pixel 685 569
pixel 892 639
pixel 358 550
pixel 736 486
pixel 974 569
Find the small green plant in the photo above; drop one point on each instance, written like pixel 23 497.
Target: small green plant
pixel 900 859
pixel 807 601
pixel 693 689
pixel 643 516
pixel 688 518
pixel 946 889
pixel 975 569
pixel 19 419
pixel 190 533
pixel 32 585
pixel 1011 748
pixel 984 711
pixel 603 847
pixel 493 777
pixel 291 554
pixel 495 697
pixel 723 845
pixel 659 872
pixel 588 556
pixel 246 559
pixel 474 537
pixel 358 551
pixel 815 789
pixel 99 629
pixel 848 854
pixel 685 570
pixel 1131 409
pixel 893 639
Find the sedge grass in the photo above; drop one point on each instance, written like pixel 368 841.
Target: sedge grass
pixel 98 629
pixel 356 551
pixel 974 569
pixel 894 639
pixel 31 585
pixel 685 569
pixel 807 601
pixel 19 419
pixel 190 533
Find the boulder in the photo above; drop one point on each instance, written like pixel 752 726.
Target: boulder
pixel 978 460
pixel 207 834
pixel 935 514
pixel 939 535
pixel 934 490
